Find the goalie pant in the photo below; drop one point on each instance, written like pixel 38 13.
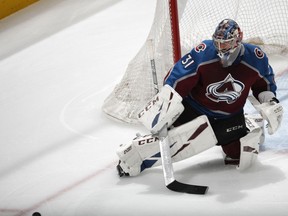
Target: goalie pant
pixel 186 140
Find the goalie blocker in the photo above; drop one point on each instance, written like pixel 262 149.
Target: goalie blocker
pixel 162 110
pixel 186 140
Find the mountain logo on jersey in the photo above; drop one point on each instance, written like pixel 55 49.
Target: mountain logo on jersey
pixel 228 90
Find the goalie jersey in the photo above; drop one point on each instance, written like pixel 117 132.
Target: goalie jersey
pixel 218 91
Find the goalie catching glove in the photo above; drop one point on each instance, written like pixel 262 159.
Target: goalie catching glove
pixel 271 110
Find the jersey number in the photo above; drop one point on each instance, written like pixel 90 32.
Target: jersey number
pixel 188 61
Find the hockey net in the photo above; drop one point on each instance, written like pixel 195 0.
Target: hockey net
pixel 263 22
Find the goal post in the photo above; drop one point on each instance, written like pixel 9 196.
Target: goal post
pixel 180 25
pixel 175 32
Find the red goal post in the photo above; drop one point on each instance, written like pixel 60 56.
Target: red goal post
pixel 180 25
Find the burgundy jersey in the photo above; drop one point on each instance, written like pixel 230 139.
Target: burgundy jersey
pixel 218 91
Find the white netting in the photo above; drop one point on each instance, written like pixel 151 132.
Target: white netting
pixel 263 22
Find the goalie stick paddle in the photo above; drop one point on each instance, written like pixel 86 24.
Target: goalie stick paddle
pixel 187 188
pixel 168 172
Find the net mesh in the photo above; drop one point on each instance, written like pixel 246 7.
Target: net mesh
pixel 263 22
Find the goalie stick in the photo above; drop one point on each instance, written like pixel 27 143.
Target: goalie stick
pixel 164 144
pixel 153 66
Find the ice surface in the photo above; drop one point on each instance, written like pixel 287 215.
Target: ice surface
pixel 58 61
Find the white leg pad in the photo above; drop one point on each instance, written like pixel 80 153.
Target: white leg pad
pixel 130 159
pixel 185 141
pixel 249 149
pixel 191 138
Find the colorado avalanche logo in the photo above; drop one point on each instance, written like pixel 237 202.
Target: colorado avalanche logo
pixel 228 90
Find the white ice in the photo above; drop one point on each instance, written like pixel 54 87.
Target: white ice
pixel 59 60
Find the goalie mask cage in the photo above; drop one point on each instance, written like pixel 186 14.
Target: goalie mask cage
pixel 264 23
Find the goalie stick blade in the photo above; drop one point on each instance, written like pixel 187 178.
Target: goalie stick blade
pixel 186 188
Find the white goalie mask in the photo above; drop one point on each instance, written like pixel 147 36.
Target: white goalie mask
pixel 227 41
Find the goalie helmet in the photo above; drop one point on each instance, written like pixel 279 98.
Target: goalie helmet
pixel 227 40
